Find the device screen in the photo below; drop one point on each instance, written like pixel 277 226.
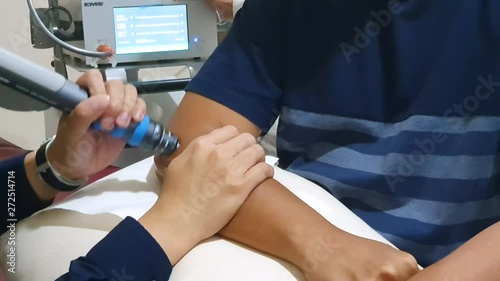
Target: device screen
pixel 149 29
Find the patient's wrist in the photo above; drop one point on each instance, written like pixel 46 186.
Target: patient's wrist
pixel 314 244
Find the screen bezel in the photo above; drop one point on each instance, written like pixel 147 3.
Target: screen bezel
pixel 188 35
pixel 99 31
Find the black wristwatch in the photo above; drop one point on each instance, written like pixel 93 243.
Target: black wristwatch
pixel 48 173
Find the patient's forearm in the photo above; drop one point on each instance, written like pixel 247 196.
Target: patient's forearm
pixel 478 259
pixel 275 221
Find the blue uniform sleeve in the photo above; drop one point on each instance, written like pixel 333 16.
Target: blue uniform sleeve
pixel 127 253
pixel 20 198
pixel 246 70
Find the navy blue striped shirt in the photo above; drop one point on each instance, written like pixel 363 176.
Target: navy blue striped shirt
pixel 394 108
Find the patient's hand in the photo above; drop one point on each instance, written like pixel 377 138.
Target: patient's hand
pixel 204 187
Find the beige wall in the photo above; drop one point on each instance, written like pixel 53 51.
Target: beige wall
pixel 24 129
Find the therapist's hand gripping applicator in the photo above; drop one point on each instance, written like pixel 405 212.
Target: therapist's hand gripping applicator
pixel 53 89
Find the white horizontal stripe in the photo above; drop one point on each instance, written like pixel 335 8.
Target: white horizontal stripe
pixel 416 123
pixel 425 211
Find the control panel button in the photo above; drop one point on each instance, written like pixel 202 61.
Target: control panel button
pixel 200 44
pixel 105 49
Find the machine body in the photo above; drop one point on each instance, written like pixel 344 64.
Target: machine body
pixel 53 89
pixel 134 31
pixel 131 35
pixel 149 30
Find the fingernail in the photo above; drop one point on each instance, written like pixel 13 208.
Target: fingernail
pixel 123 119
pixel 107 123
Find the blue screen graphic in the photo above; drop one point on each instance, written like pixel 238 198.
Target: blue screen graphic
pixel 151 29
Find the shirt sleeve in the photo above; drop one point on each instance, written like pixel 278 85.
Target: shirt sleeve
pixel 127 253
pixel 245 72
pixel 17 192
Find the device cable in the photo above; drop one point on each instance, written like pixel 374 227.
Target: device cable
pixel 66 32
pixel 61 43
pixel 220 21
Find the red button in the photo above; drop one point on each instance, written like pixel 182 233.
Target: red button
pixel 105 49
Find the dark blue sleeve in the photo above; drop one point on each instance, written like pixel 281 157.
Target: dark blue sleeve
pixel 20 199
pixel 127 253
pixel 245 72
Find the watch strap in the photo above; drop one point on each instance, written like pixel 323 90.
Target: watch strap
pixel 49 175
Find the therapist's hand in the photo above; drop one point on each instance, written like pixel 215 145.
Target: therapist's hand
pixel 77 151
pixel 352 258
pixel 203 188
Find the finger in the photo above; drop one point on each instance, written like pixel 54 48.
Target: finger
pixel 128 106
pixel 221 135
pixel 85 113
pixel 93 81
pixel 140 110
pixel 115 91
pixel 238 144
pixel 249 157
pixel 257 175
pixel 411 264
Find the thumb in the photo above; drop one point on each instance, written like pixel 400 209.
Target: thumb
pixel 87 112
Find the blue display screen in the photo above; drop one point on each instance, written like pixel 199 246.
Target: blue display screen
pixel 149 29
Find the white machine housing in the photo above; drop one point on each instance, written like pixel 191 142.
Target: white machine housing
pixel 149 30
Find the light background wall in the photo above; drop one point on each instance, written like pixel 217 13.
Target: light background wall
pixel 24 129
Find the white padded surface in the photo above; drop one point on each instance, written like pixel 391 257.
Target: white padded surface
pixel 65 231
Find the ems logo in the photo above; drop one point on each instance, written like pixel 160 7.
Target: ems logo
pixel 93 4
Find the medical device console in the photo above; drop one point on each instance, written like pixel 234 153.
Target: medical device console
pixel 149 30
pixel 53 89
